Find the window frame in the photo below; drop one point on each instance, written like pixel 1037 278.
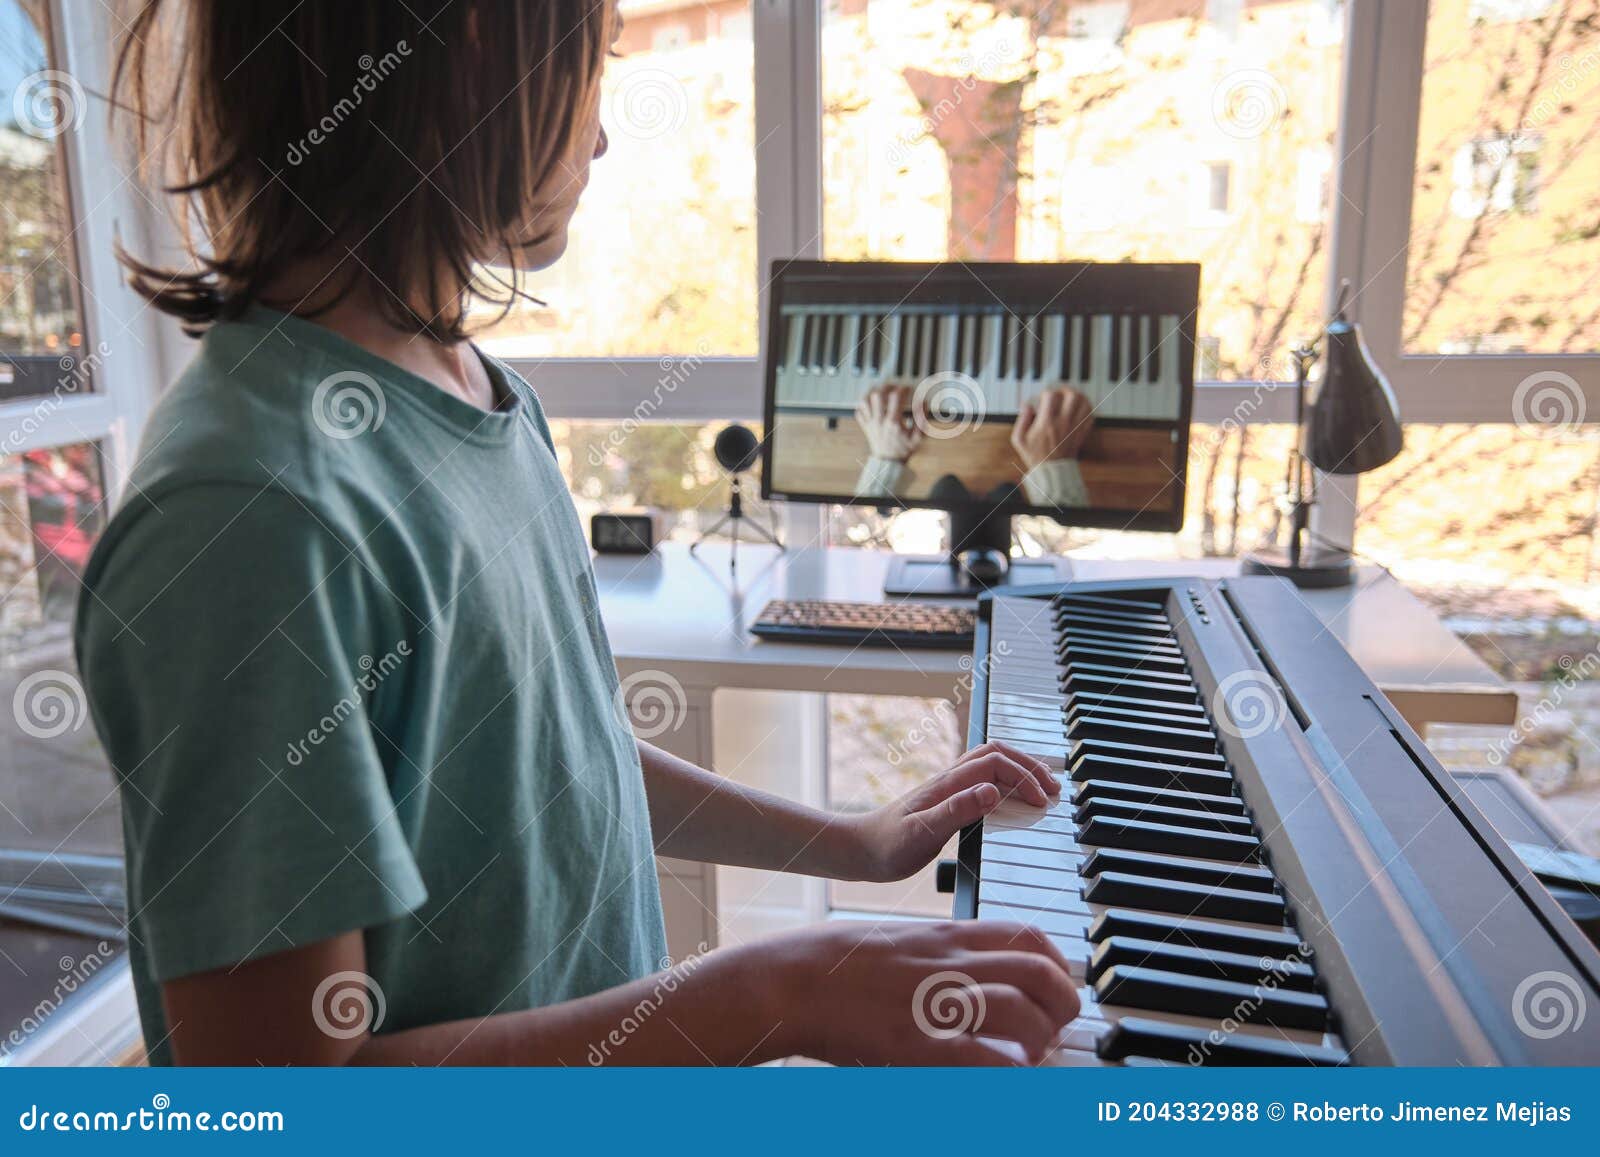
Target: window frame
pixel 1371 185
pixel 104 203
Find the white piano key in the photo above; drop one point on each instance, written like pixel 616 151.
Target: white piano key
pixel 1169 390
pixel 1099 384
pixel 969 349
pixel 893 326
pixel 926 331
pixel 949 330
pixel 1050 359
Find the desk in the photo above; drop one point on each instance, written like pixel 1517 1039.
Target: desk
pixel 686 617
pixel 679 627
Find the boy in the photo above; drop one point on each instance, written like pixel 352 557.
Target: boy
pixel 341 639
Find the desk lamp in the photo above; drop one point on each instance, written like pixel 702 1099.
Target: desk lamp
pixel 1351 426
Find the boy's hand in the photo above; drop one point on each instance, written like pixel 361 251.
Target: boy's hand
pixel 929 994
pixel 903 837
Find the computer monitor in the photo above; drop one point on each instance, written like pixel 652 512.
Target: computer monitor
pixel 985 390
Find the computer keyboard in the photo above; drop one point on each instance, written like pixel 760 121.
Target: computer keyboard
pixel 866 624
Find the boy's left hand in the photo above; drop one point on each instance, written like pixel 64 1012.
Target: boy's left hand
pixel 904 836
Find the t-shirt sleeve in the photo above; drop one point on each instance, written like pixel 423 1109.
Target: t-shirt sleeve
pixel 234 651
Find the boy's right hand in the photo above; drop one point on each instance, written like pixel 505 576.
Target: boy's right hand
pixel 911 993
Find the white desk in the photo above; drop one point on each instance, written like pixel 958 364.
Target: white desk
pixel 686 617
pixel 679 627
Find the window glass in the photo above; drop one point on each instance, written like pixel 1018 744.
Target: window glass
pixel 662 257
pixel 1494 527
pixel 1504 247
pixel 1106 131
pixel 41 332
pixel 665 467
pixel 55 787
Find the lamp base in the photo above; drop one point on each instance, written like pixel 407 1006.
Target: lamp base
pixel 1313 572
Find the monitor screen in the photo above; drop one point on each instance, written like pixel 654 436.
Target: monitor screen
pixel 1058 389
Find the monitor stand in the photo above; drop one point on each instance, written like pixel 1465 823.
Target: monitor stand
pixel 976 538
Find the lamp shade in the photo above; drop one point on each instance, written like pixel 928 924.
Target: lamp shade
pixel 1354 423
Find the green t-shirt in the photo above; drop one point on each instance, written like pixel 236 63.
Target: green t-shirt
pixel 342 646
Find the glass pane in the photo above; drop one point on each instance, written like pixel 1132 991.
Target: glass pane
pixel 1109 131
pixel 41 332
pixel 879 748
pixel 1504 248
pixel 55 786
pixel 662 257
pixel 1493 525
pixel 668 468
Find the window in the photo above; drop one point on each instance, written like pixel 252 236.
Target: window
pixel 1496 175
pixel 1216 185
pixel 662 257
pixel 41 331
pixel 1503 246
pixel 964 129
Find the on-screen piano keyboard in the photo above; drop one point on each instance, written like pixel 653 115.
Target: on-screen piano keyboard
pixel 1127 365
pixel 1253 860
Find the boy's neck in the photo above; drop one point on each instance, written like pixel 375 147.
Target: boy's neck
pixel 453 367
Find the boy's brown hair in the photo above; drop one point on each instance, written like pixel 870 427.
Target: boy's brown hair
pixel 416 138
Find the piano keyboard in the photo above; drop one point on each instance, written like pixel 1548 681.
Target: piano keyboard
pixel 1126 365
pixel 1156 871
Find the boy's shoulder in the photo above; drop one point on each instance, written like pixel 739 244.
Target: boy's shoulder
pixel 245 411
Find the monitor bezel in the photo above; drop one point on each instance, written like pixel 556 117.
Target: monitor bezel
pixel 1129 283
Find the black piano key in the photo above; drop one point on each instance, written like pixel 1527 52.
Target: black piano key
pixel 1192 930
pixel 1102 700
pixel 858 346
pixel 1117 368
pixel 1130 654
pixel 1176 716
pixel 962 349
pixel 1139 793
pixel 835 340
pixel 1152 752
pixel 1085 684
pixel 1130 604
pixel 1093 665
pixel 1063 371
pixel 1157 813
pixel 1133 1037
pixel 1184 899
pixel 1153 988
pixel 1245 876
pixel 1126 641
pixel 1138 353
pixel 1008 346
pixel 1206 963
pixel 1103 619
pixel 1110 727
pixel 1036 347
pixel 1086 352
pixel 902 361
pixel 1149 836
pixel 1158 349
pixel 1150 773
pixel 809 327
